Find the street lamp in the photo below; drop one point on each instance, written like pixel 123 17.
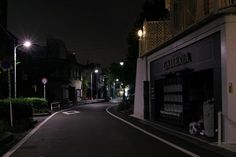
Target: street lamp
pixel 140 35
pixel 26 44
pixel 121 63
pixel 95 71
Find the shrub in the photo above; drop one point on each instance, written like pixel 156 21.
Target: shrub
pixel 22 109
pixel 39 105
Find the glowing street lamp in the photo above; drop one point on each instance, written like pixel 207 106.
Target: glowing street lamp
pixel 121 63
pixel 26 44
pixel 95 71
pixel 140 35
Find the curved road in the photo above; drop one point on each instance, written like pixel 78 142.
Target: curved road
pixel 88 131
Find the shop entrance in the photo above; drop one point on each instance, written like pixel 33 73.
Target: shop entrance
pixel 200 108
pixel 184 98
pixel 199 89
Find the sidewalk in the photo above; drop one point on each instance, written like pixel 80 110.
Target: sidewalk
pixel 10 139
pixel 225 150
pixel 229 147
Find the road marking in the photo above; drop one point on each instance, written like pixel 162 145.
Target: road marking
pixel 71 112
pixel 152 135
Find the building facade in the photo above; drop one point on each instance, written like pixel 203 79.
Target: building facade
pixel 191 76
pixel 55 63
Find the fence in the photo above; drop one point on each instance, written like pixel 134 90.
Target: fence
pixel 55 105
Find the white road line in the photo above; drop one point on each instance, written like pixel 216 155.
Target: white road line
pixel 21 142
pixel 152 135
pixel 71 112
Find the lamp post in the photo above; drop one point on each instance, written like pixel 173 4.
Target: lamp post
pixel 25 44
pixel 140 35
pixel 95 71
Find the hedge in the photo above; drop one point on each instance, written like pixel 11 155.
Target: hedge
pixel 22 108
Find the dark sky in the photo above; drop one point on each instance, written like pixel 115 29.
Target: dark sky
pixel 95 30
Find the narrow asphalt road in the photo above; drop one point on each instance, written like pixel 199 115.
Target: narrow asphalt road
pixel 88 131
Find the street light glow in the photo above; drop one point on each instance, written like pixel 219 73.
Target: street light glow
pixel 140 33
pixel 121 63
pixel 27 43
pixel 96 70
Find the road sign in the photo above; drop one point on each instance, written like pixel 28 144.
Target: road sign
pixel 44 80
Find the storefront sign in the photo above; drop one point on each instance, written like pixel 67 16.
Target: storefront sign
pixel 177 61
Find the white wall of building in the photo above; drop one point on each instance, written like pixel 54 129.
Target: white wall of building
pixel 139 98
pixel 229 81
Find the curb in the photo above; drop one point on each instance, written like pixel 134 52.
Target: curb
pixel 154 136
pixel 32 132
pixel 202 144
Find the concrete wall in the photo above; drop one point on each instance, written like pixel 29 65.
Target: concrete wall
pixel 139 95
pixel 229 80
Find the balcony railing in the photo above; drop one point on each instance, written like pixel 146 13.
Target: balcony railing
pixel 184 14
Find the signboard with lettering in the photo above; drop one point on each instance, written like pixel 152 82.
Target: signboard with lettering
pixel 197 56
pixel 177 60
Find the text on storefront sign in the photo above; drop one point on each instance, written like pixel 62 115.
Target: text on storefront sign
pixel 177 61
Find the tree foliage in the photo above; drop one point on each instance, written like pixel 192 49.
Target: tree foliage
pixel 151 11
pixel 85 85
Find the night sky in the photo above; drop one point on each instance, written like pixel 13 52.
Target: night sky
pixel 96 30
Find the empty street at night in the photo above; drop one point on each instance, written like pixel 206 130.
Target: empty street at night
pixel 125 78
pixel 88 130
pixel 92 132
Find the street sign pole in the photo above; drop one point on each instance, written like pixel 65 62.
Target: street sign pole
pixel 9 86
pixel 44 91
pixel 6 65
pixel 44 82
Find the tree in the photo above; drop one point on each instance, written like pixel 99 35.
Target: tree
pixel 85 86
pixel 152 10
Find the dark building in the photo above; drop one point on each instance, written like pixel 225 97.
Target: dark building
pixel 55 63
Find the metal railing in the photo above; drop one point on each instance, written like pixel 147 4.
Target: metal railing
pixel 55 105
